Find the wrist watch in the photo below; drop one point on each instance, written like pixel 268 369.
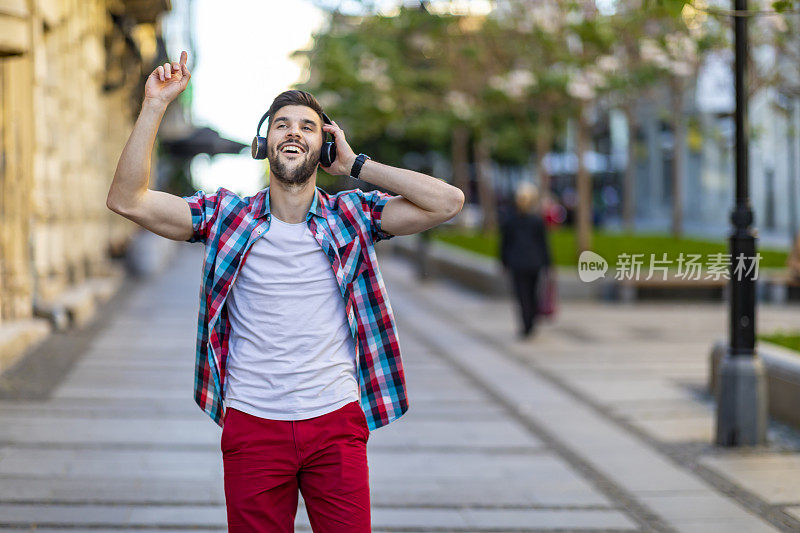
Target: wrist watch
pixel 357 164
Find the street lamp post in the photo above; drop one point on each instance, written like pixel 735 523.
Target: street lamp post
pixel 742 399
pixel 791 141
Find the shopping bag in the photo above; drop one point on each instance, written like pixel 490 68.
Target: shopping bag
pixel 548 294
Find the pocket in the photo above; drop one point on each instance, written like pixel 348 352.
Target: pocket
pixel 361 420
pixel 227 428
pixel 351 258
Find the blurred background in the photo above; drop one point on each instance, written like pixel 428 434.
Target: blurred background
pixel 620 112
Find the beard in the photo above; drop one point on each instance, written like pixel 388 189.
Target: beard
pixel 295 172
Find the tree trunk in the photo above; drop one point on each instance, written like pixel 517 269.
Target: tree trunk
pixel 678 146
pixel 460 162
pixel 485 187
pixel 584 213
pixel 544 140
pixel 629 176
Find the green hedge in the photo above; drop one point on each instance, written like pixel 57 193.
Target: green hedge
pixel 789 340
pixel 608 245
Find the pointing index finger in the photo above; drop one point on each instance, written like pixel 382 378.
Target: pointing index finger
pixel 184 57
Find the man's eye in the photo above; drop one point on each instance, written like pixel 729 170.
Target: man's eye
pixel 309 129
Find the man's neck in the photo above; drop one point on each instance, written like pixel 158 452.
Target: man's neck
pixel 290 203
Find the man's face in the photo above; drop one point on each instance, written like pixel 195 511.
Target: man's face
pixel 294 143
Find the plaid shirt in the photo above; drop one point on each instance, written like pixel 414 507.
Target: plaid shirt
pixel 346 226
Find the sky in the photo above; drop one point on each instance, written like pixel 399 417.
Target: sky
pixel 243 62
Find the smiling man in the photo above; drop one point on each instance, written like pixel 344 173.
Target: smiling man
pixel 297 352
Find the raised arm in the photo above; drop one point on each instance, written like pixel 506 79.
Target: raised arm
pixel 157 211
pixel 423 201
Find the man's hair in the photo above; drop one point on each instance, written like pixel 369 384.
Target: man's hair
pixel 294 97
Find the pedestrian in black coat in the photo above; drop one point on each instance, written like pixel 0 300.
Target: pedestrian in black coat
pixel 525 252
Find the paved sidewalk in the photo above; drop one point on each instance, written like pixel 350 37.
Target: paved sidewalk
pixel 565 432
pixel 623 387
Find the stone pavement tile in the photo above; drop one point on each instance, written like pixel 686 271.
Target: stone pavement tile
pixel 447 409
pixel 607 389
pixel 622 457
pixel 748 525
pixel 517 492
pixel 114 347
pixel 102 430
pixel 418 518
pixel 793 510
pixel 546 519
pixel 113 516
pixel 119 490
pixel 162 366
pixel 59 515
pixel 682 507
pixel 115 530
pixel 620 363
pixel 36 463
pixel 479 468
pixel 133 393
pixel 639 473
pixel 179 515
pixel 418 394
pixel 459 434
pixel 154 465
pixel 775 477
pixel 742 461
pixel 695 429
pixel 437 377
pixel 182 464
pixel 485 479
pixel 146 378
pixel 156 408
pixel 644 409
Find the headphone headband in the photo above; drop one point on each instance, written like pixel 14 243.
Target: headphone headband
pixel 325 119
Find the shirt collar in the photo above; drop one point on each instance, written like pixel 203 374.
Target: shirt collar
pixel 317 204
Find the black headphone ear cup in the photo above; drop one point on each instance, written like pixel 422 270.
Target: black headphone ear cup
pixel 259 148
pixel 328 154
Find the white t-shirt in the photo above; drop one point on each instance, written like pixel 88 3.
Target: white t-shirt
pixel 291 354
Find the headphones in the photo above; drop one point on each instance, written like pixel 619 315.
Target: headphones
pixel 326 157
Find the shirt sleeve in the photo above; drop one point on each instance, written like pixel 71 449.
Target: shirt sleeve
pixel 372 203
pixel 204 211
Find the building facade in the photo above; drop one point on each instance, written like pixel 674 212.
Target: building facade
pixel 71 81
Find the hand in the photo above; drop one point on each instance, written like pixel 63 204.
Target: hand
pixel 345 157
pixel 167 81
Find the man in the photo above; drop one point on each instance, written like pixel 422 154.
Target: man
pixel 298 359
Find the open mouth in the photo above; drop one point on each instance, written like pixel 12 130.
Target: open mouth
pixel 292 149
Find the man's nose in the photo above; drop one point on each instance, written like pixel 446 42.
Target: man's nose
pixel 294 129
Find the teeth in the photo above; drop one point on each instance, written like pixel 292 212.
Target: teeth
pixel 291 149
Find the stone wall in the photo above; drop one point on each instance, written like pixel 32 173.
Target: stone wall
pixel 71 76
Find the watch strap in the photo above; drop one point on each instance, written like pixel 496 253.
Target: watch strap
pixel 357 164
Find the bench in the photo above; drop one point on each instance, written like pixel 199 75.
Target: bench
pixel 673 287
pixel 780 286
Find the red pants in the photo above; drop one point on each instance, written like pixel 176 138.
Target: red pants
pixel 267 461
